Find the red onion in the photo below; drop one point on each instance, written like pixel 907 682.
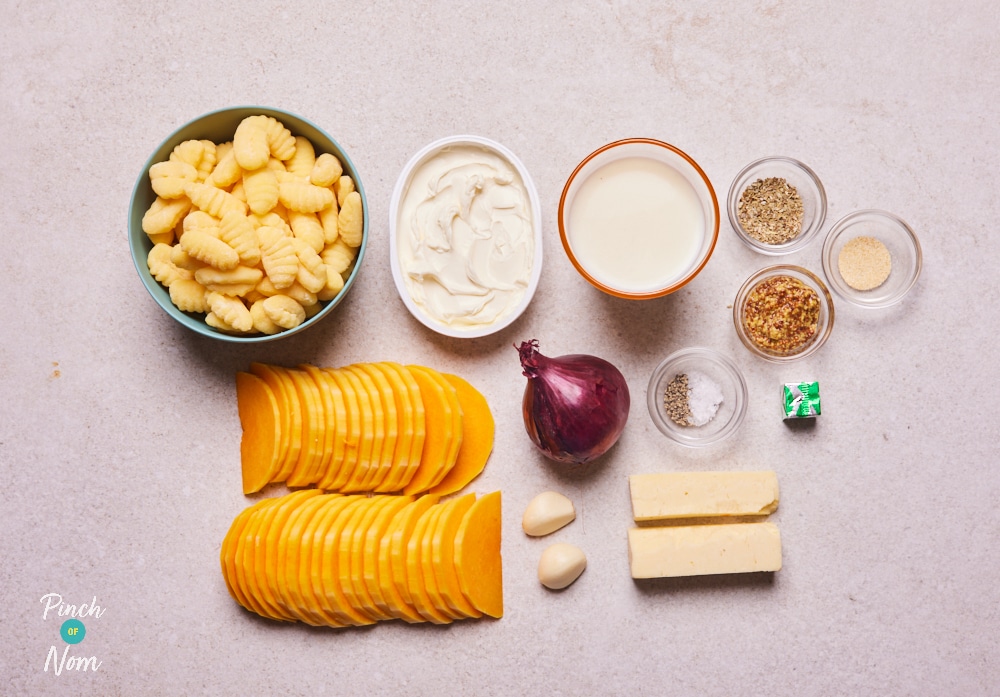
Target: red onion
pixel 575 407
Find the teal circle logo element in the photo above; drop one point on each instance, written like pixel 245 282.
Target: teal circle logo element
pixel 72 631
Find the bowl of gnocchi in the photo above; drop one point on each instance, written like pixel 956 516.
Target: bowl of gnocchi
pixel 248 224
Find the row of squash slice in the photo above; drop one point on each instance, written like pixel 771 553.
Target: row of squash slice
pixel 367 427
pixel 344 560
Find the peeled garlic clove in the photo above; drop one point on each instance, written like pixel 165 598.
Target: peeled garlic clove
pixel 560 565
pixel 546 513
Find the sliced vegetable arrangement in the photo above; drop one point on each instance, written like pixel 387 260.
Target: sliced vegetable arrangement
pixel 368 427
pixel 340 560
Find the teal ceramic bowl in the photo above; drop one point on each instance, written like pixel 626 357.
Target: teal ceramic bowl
pixel 219 126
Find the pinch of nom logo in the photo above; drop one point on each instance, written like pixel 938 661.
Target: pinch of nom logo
pixel 72 631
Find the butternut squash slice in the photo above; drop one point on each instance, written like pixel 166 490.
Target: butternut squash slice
pixel 443 555
pixel 327 426
pixel 400 394
pixel 390 425
pixel 477 555
pixel 370 554
pixel 352 436
pixel 427 566
pixel 267 559
pixel 341 432
pixel 355 558
pixel 419 431
pixel 366 436
pixel 443 439
pixel 478 430
pixel 261 441
pixel 319 565
pixel 306 546
pixel 392 562
pixel 332 573
pixel 310 449
pixel 287 589
pixel 415 580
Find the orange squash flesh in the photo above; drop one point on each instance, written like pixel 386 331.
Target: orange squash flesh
pixel 327 425
pixel 427 566
pixel 478 563
pixel 325 596
pixel 398 543
pixel 243 561
pixel 398 393
pixel 390 425
pixel 267 561
pixel 260 419
pixel 356 558
pixel 339 427
pixel 377 429
pixel 478 430
pixel 228 554
pixel 307 540
pixel 311 442
pixel 352 438
pixel 418 430
pixel 443 555
pixel 439 452
pixel 370 552
pixel 415 580
pixel 286 589
pixel 366 435
pixel 398 607
pixel 332 586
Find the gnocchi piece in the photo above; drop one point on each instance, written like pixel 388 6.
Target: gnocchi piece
pixel 312 270
pixel 334 284
pixel 261 186
pixel 215 202
pixel 164 214
pixel 294 291
pixel 167 178
pixel 280 141
pixel 204 246
pixel 162 269
pixel 277 254
pixel 338 256
pixel 342 187
pixel 328 219
pixel 216 322
pixel 326 171
pixel 199 219
pixel 261 322
pixel 239 233
pixel 351 220
pixel 230 310
pixel 301 163
pixel 273 219
pixel 163 238
pixel 200 154
pixel 188 295
pixel 227 171
pixel 304 197
pixel 284 311
pixel 236 281
pixel 237 190
pixel 182 260
pixel 250 143
pixel 308 228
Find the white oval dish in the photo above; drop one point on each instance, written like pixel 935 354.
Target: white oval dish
pixel 399 275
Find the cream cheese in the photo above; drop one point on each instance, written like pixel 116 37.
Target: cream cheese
pixel 465 240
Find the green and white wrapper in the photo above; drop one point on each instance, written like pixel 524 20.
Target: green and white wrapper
pixel 801 400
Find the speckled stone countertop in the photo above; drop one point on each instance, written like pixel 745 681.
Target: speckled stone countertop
pixel 119 438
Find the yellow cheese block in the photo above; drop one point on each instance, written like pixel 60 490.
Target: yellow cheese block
pixel 699 550
pixel 672 495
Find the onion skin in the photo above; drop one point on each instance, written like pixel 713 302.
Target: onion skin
pixel 574 407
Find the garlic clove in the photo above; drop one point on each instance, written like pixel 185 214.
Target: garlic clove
pixel 560 565
pixel 546 513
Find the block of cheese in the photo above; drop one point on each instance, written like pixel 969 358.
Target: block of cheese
pixel 700 550
pixel 672 495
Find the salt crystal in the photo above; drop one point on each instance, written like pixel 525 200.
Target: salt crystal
pixel 704 398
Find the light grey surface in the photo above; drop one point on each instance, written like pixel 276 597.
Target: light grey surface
pixel 119 440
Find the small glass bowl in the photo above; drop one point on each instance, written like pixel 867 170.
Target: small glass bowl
pixel 904 250
pixel 723 372
pixel 825 322
pixel 810 190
